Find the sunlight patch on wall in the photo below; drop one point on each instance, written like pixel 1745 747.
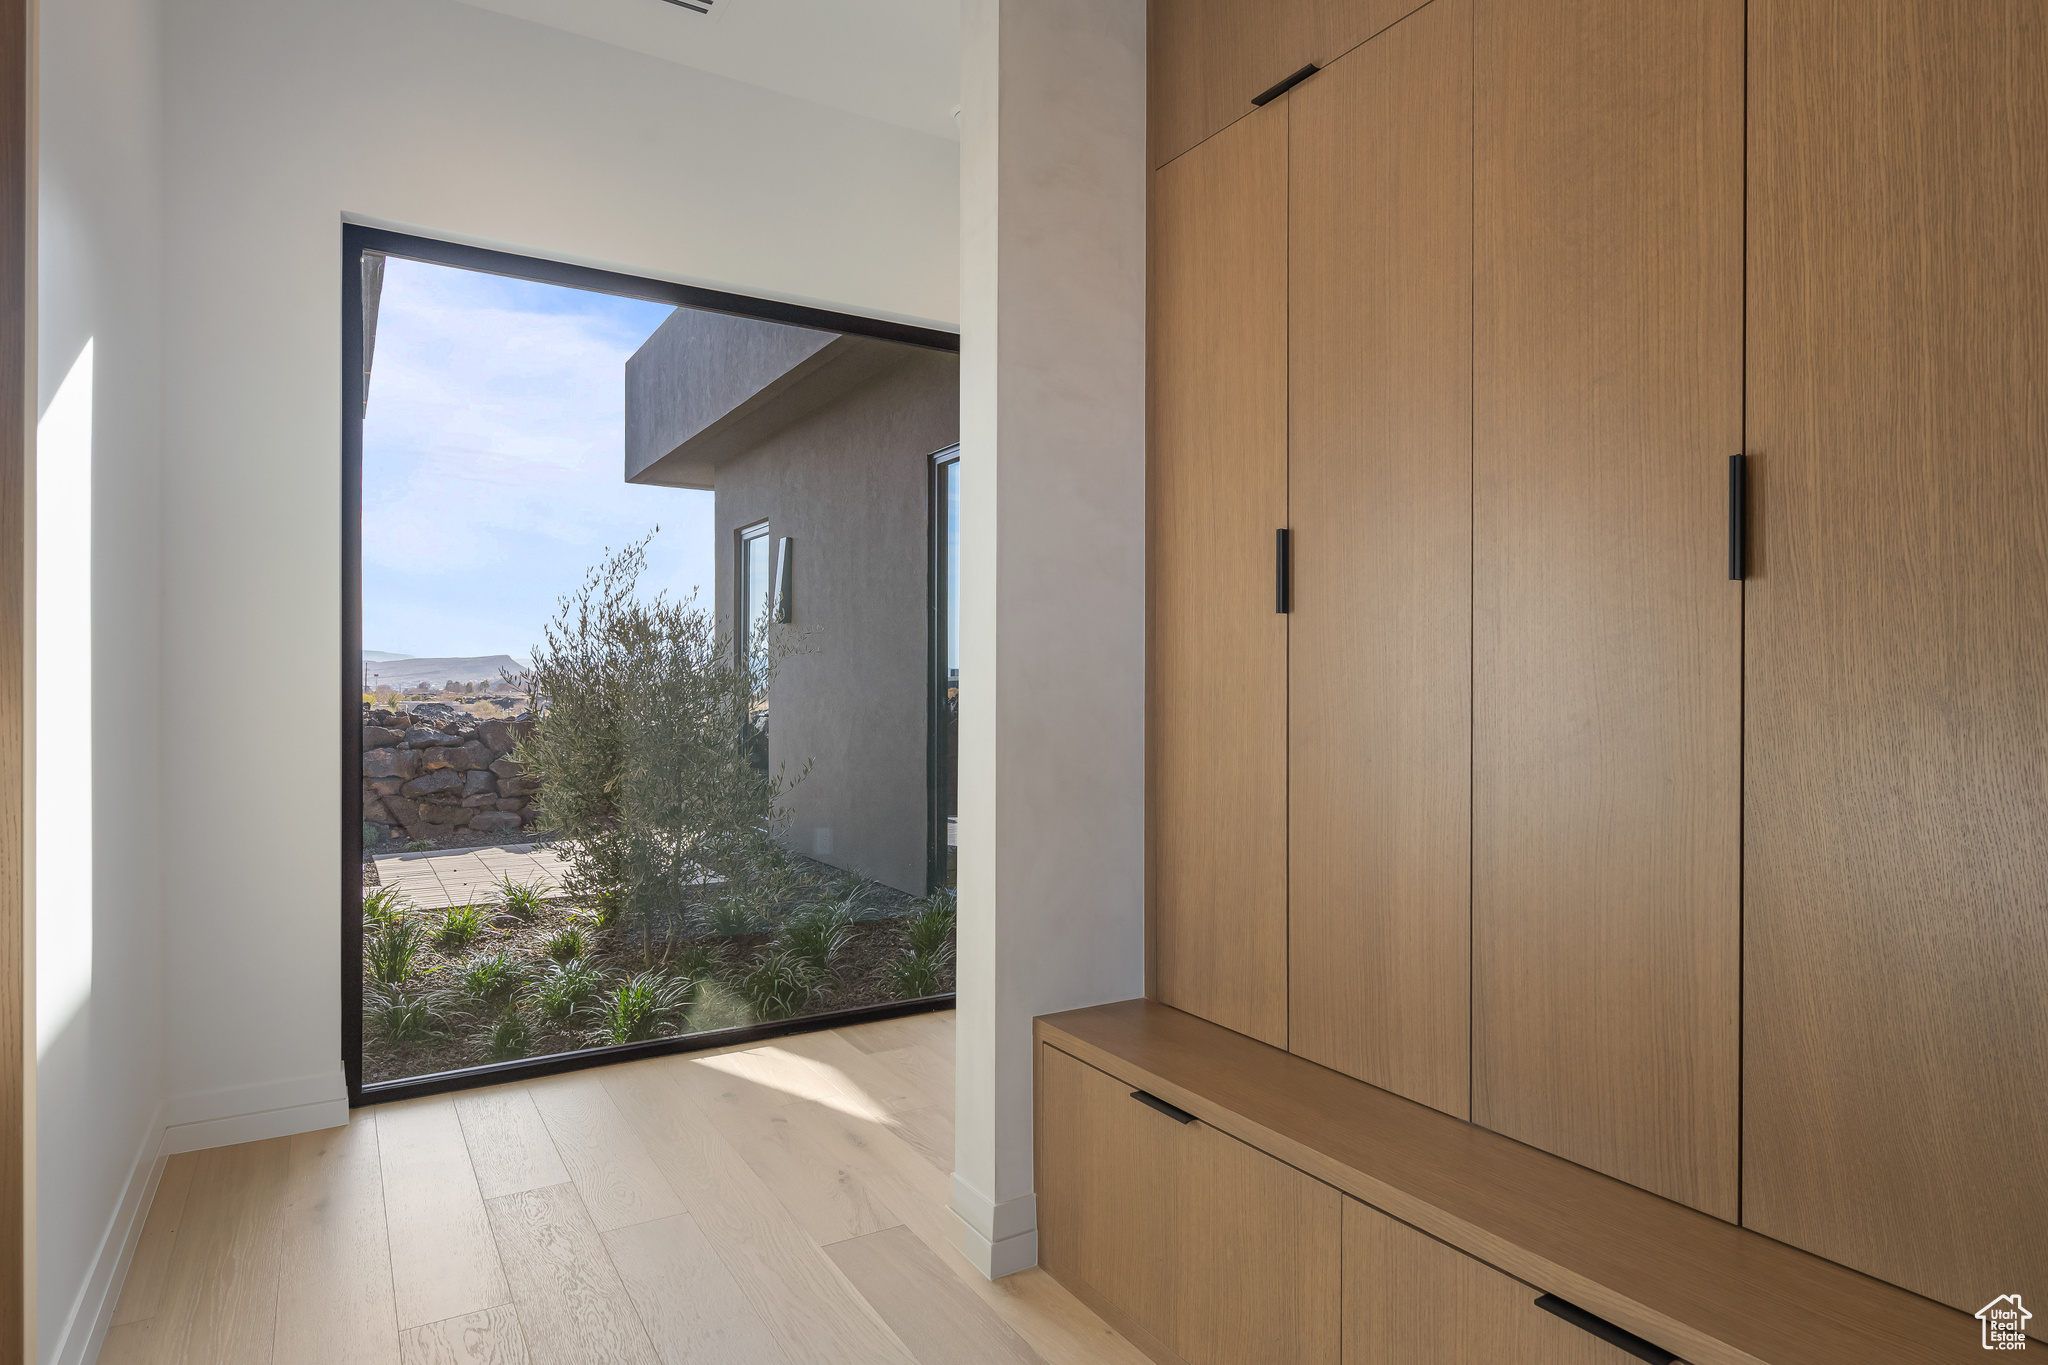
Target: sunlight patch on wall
pixel 63 795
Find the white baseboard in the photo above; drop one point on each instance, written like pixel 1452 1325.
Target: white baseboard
pixel 92 1312
pixel 998 1239
pixel 250 1113
pixel 187 1123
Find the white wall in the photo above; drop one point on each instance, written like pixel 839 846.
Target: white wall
pixel 1052 619
pixel 100 1067
pixel 285 116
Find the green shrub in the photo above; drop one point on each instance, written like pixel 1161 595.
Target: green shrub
pixel 565 989
pixel 730 915
pixel 418 845
pixel 459 927
pixel 818 935
pixel 567 943
pixel 779 983
pixel 524 899
pixel 491 978
pixel 931 926
pixel 382 904
pixel 391 949
pixel 371 835
pixel 510 1037
pixel 917 975
pixel 637 1007
pixel 404 1017
pixel 695 962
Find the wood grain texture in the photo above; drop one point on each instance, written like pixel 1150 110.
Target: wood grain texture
pixel 334 1297
pixel 1380 498
pixel 143 1289
pixel 1896 1029
pixel 808 1306
pixel 219 1302
pixel 690 1304
pixel 1213 1248
pixel 619 1183
pixel 929 1132
pixel 508 1142
pixel 573 1310
pixel 1410 1297
pixel 1217 727
pixel 1208 58
pixel 935 1315
pixel 1713 1292
pixel 444 1263
pixel 1607 636
pixel 488 1338
pixel 830 1202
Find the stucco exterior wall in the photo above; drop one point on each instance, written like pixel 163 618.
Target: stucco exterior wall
pixel 850 484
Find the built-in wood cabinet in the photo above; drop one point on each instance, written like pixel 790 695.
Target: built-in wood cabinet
pixel 1217 492
pixel 1379 663
pixel 1896 876
pixel 1607 635
pixel 1186 1238
pixel 1411 1298
pixel 1211 58
pixel 1692 831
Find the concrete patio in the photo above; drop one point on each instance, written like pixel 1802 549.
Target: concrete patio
pixel 465 876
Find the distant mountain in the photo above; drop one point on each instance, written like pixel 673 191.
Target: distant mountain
pixel 378 656
pixel 404 673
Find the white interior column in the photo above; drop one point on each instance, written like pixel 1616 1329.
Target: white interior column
pixel 1052 533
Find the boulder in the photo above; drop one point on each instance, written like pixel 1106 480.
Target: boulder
pixel 528 817
pixel 373 810
pixel 384 786
pixel 507 767
pixel 377 737
pixel 479 782
pixel 443 781
pixel 407 813
pixel 511 803
pixel 481 801
pixel 462 758
pixel 497 734
pixel 399 763
pixel 517 786
pixel 424 737
pixel 494 822
pixel 453 816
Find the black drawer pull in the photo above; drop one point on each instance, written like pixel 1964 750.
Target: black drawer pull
pixel 1154 1102
pixel 1605 1330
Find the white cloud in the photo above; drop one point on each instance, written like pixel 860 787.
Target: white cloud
pixel 493 467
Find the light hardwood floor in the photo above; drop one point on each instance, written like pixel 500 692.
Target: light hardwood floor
pixel 780 1204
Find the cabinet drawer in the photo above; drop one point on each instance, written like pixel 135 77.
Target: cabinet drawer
pixel 1209 1249
pixel 1408 1298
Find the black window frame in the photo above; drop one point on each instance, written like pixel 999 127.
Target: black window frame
pixel 938 676
pixel 357 240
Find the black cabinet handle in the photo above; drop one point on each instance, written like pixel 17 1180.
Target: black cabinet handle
pixel 1738 515
pixel 1275 91
pixel 1605 1330
pixel 1283 585
pixel 1154 1102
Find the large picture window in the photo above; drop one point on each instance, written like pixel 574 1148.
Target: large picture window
pixel 566 835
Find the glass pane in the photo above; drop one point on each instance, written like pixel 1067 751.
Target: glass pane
pixel 575 834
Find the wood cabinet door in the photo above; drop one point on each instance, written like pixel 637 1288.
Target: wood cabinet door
pixel 1410 1299
pixel 1380 503
pixel 1206 1247
pixel 1207 59
pixel 1607 635
pixel 1896 920
pixel 1218 492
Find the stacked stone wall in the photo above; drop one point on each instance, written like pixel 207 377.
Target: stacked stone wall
pixel 424 777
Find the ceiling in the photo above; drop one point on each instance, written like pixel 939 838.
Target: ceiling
pixel 893 60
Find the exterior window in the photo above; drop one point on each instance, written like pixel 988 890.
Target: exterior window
pixel 945 682
pixel 750 634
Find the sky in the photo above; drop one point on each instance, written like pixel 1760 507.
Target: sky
pixel 494 462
